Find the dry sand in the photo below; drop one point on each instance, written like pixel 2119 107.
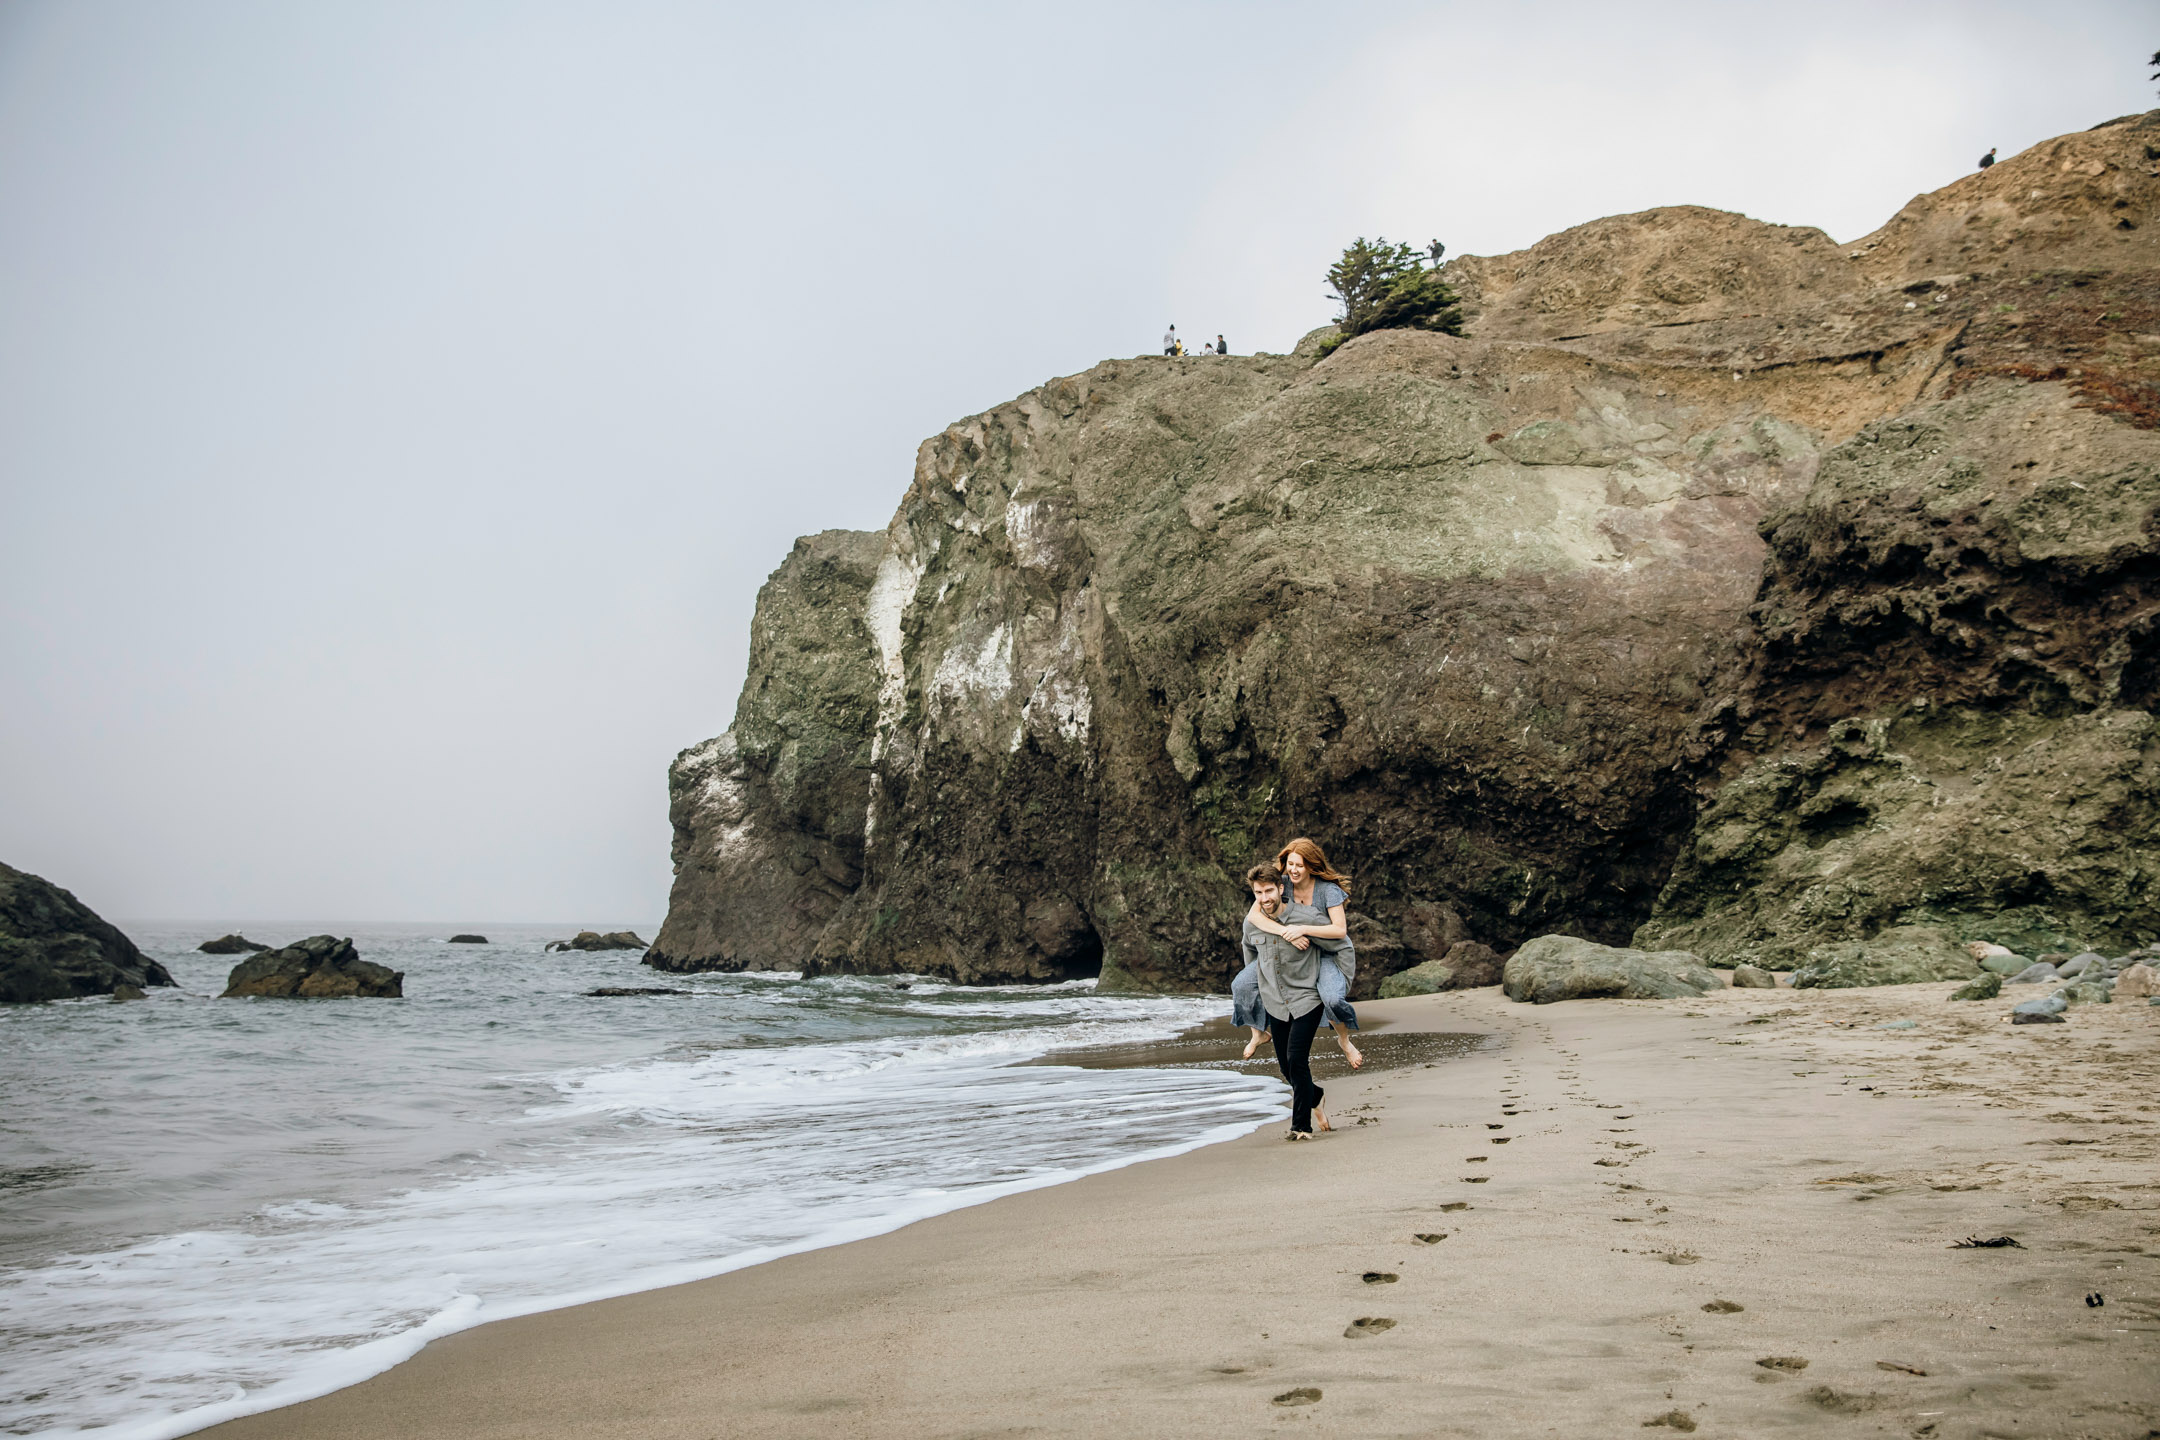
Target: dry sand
pixel 1604 1220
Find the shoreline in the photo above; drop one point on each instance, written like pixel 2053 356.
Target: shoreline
pixel 1679 1190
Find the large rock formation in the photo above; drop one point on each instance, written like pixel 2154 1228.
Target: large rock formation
pixel 1701 502
pixel 52 947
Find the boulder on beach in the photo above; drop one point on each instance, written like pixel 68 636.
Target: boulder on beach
pixel 54 947
pixel 2006 963
pixel 1467 965
pixel 1562 967
pixel 234 944
pixel 1901 955
pixel 318 968
pixel 2036 973
pixel 1753 977
pixel 1428 978
pixel 1986 987
pixel 593 940
pixel 2137 982
pixel 467 940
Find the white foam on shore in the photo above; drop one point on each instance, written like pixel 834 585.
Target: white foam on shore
pixel 704 1165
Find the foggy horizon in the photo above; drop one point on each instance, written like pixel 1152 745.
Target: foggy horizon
pixel 404 403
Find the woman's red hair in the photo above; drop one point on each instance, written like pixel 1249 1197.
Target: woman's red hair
pixel 1315 862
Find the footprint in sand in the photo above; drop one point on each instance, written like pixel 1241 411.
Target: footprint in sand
pixel 1456 1205
pixel 1379 1277
pixel 1503 1139
pixel 1425 1238
pixel 1494 1125
pixel 1723 1307
pixel 1791 1364
pixel 1367 1325
pixel 1475 1179
pixel 1303 1395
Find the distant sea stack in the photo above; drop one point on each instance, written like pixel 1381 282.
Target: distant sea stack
pixel 467 940
pixel 1729 590
pixel 235 944
pixel 53 947
pixel 593 940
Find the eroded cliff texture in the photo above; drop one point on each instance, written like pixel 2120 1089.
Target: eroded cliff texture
pixel 1706 523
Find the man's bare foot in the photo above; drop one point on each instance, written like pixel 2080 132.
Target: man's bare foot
pixel 1253 1044
pixel 1351 1053
pixel 1319 1118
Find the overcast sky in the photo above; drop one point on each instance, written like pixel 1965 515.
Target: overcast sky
pixel 400 404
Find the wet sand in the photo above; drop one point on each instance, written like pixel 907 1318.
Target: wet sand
pixel 1603 1219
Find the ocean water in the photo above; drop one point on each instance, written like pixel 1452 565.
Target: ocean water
pixel 213 1207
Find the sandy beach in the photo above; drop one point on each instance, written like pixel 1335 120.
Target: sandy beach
pixel 1609 1215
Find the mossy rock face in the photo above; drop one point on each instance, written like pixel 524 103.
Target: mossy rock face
pixel 2025 830
pixel 1703 507
pixel 1904 955
pixel 1986 987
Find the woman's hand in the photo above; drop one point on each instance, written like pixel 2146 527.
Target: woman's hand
pixel 1295 934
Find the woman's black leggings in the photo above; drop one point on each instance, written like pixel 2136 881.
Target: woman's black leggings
pixel 1293 1052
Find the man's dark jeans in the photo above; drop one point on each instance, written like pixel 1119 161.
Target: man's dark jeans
pixel 1293 1052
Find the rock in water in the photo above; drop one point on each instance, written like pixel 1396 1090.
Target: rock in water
pixel 1561 967
pixel 470 940
pixel 52 947
pixel 1987 987
pixel 1753 977
pixel 230 945
pixel 319 967
pixel 2137 982
pixel 593 940
pixel 1704 508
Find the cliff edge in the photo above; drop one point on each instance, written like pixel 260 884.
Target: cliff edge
pixel 1748 590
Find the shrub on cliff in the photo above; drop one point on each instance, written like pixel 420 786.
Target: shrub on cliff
pixel 1387 287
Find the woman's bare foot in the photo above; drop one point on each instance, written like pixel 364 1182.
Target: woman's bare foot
pixel 1253 1045
pixel 1351 1053
pixel 1319 1117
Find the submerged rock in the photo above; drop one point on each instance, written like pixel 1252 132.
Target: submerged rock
pixel 235 944
pixel 54 947
pixel 593 940
pixel 1904 955
pixel 1562 967
pixel 319 967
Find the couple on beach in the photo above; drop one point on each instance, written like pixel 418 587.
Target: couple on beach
pixel 1298 967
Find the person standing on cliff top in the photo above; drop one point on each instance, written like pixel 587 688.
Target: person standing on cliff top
pixel 1222 346
pixel 1169 341
pixel 1987 159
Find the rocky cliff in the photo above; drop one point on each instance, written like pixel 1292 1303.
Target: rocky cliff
pixel 54 947
pixel 1749 590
